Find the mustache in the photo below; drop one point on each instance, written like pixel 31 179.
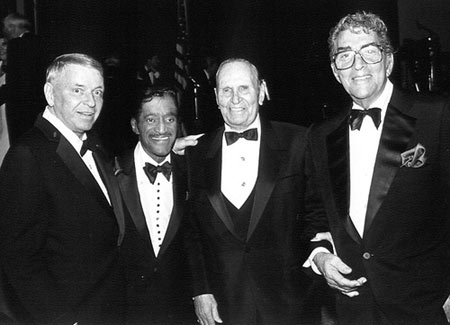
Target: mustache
pixel 167 134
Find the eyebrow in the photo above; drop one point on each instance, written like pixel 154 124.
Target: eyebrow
pixel 348 48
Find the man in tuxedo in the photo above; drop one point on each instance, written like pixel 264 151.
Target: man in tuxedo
pixel 246 186
pixel 153 186
pixel 60 234
pixel 27 61
pixel 383 174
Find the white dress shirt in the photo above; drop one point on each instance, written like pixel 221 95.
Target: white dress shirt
pixel 156 199
pixel 240 162
pixel 363 152
pixel 77 143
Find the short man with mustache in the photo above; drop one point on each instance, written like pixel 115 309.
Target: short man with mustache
pixel 153 187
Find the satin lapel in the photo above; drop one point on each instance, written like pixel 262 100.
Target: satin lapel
pixel 130 194
pixel 76 165
pixel 397 130
pixel 179 200
pixel 337 153
pixel 106 171
pixel 271 154
pixel 213 167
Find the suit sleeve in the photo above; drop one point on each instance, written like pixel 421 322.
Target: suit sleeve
pixel 192 239
pixel 314 215
pixel 24 217
pixel 445 175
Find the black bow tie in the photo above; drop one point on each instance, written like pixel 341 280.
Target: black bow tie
pixel 357 116
pixel 151 171
pixel 90 143
pixel 231 137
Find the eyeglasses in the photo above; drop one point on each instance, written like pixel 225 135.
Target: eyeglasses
pixel 370 54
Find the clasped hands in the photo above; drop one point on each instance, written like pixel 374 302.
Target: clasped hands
pixel 334 270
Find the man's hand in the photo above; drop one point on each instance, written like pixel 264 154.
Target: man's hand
pixel 332 269
pixel 187 141
pixel 206 309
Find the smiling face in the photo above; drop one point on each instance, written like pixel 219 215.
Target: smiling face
pixel 363 82
pixel 75 96
pixel 156 126
pixel 238 94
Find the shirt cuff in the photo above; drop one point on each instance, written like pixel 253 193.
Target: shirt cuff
pixel 310 261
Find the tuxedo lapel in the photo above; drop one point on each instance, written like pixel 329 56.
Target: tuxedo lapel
pixel 397 130
pixel 271 154
pixel 337 156
pixel 213 168
pixel 130 194
pixel 76 165
pixel 106 172
pixel 179 198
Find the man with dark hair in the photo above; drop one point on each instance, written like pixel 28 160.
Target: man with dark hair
pixel 383 171
pixel 153 186
pixel 59 233
pixel 27 60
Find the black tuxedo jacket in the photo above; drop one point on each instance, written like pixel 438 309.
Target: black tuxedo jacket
pixel 59 235
pixel 158 288
pixel 404 252
pixel 256 280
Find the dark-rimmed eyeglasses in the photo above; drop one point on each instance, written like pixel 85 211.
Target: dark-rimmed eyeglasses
pixel 371 54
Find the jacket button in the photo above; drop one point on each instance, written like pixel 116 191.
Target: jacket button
pixel 367 256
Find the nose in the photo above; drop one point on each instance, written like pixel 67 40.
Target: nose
pixel 235 99
pixel 89 99
pixel 161 127
pixel 359 62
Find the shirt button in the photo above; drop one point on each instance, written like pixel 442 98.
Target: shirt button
pixel 367 256
pixel 243 184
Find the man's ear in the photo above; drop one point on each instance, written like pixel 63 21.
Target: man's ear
pixel 263 92
pixel 335 72
pixel 216 92
pixel 48 91
pixel 389 63
pixel 134 127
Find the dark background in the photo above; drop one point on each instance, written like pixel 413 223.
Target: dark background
pixel 286 39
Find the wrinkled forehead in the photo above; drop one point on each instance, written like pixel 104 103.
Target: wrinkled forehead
pixel 236 72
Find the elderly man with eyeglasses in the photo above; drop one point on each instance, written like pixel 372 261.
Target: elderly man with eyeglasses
pixel 383 169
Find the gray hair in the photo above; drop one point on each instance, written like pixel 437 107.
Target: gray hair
pixel 361 20
pixel 253 69
pixel 59 64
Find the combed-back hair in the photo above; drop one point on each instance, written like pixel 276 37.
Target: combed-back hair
pixel 59 64
pixel 358 22
pixel 147 94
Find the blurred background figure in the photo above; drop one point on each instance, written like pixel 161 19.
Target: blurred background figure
pixel 200 111
pixel 113 125
pixel 27 62
pixel 152 72
pixel 4 138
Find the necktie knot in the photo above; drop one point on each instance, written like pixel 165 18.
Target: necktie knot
pixel 357 116
pixel 151 171
pixel 231 136
pixel 88 144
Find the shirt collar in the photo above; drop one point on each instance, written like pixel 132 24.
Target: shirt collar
pixel 255 124
pixel 74 140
